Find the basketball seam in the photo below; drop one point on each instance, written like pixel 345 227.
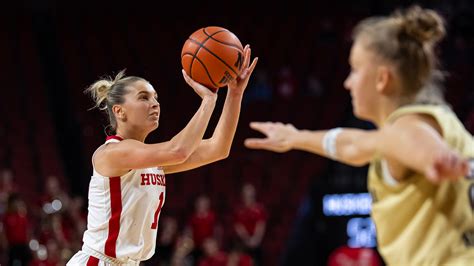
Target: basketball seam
pixel 205 68
pixel 219 41
pixel 199 48
pixel 220 59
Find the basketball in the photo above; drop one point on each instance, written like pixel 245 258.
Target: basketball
pixel 212 56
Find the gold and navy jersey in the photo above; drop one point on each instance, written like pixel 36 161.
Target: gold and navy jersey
pixel 418 222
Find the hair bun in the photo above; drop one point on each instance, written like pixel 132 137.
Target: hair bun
pixel 99 91
pixel 424 25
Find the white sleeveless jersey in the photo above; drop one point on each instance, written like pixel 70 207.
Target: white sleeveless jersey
pixel 123 213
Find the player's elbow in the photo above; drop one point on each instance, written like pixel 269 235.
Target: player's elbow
pixel 216 151
pixel 216 156
pixel 180 154
pixel 354 157
pixel 356 161
pixel 223 155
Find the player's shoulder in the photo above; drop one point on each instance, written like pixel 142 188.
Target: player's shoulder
pixel 415 121
pixel 106 150
pixel 421 112
pixel 118 146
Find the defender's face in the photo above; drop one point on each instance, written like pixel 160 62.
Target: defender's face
pixel 361 81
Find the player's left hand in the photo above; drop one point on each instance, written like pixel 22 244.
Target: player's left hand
pixel 448 166
pixel 239 84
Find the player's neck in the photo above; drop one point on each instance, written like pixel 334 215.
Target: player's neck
pixel 131 134
pixel 387 107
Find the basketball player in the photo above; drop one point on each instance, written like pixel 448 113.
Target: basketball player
pixel 128 186
pixel 418 155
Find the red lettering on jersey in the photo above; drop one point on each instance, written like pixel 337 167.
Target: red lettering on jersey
pixel 156 180
pixel 163 183
pixel 153 179
pixel 145 180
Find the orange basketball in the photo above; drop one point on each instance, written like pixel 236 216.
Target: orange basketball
pixel 212 56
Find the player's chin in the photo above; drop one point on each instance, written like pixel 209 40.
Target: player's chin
pixel 153 124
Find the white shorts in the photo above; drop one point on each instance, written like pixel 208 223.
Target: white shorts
pixel 83 259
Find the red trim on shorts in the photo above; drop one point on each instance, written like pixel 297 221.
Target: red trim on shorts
pixel 114 221
pixel 114 137
pixel 92 261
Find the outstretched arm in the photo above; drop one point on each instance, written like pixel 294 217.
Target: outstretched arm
pixel 218 146
pixel 352 146
pixel 414 141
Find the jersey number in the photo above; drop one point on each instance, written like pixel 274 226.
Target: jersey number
pixel 154 225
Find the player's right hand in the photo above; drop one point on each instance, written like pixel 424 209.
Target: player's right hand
pixel 200 89
pixel 278 136
pixel 239 84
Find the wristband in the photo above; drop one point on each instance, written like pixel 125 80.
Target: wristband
pixel 329 142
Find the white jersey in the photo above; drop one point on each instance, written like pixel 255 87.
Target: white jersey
pixel 123 213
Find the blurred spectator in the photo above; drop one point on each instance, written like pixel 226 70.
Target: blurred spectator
pixel 54 253
pixel 74 222
pixel 48 256
pixel 201 225
pixel 238 257
pixel 213 255
pixel 347 256
pixel 45 229
pixel 250 223
pixel 61 232
pixel 17 231
pixel 40 257
pixel 52 229
pixel 54 198
pixel 181 255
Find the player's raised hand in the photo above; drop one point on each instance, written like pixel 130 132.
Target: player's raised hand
pixel 447 166
pixel 240 83
pixel 200 89
pixel 279 136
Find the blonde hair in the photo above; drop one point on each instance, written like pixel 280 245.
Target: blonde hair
pixel 108 92
pixel 407 39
